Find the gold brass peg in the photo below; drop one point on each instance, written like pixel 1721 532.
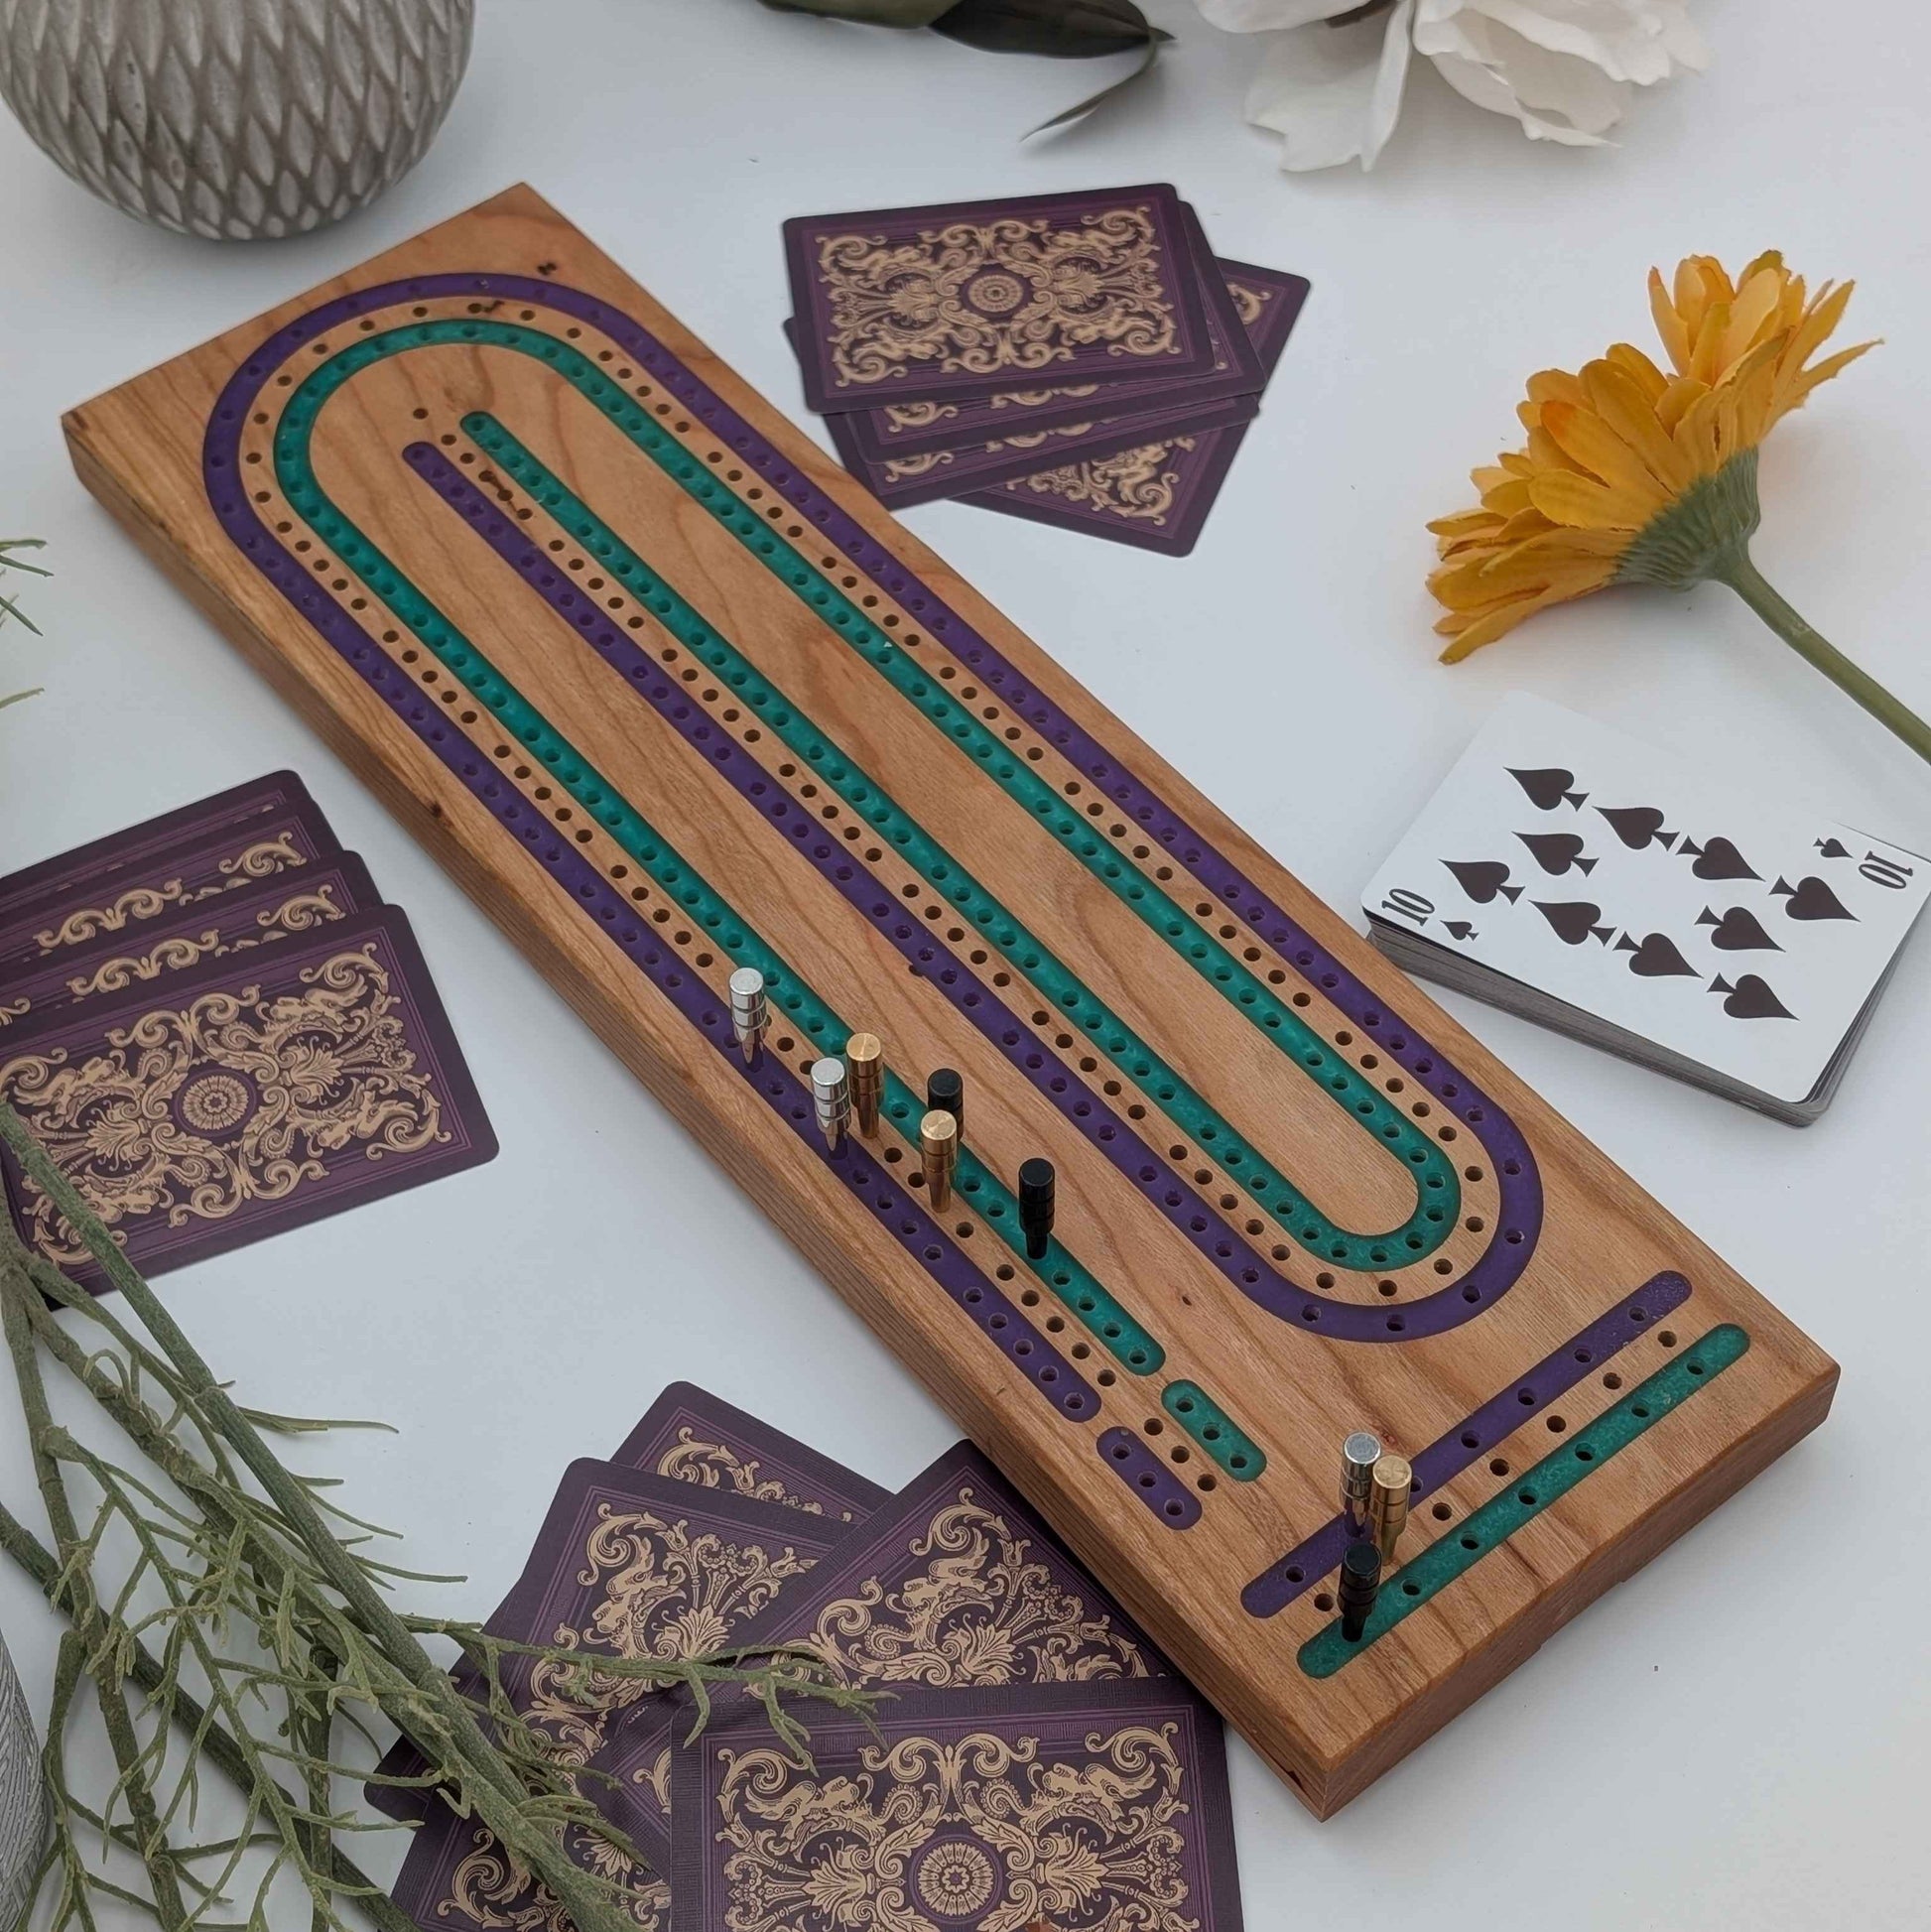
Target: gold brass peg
pixel 938 1146
pixel 865 1060
pixel 1387 1503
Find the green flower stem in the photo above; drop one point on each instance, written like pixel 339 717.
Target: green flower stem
pixel 146 1669
pixel 1736 570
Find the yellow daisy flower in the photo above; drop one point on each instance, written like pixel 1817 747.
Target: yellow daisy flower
pixel 1637 474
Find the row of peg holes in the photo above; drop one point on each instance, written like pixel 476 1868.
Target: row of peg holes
pixel 1443 1511
pixel 1202 909
pixel 1180 1452
pixel 916 890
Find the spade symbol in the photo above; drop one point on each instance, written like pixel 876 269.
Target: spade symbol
pixel 1718 858
pixel 1458 928
pixel 1737 930
pixel 1637 826
pixel 1557 851
pixel 1811 898
pixel 1832 847
pixel 1574 920
pixel 1656 957
pixel 1750 999
pixel 1548 787
pixel 1482 879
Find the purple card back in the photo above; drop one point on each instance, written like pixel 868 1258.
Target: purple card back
pixel 736 1549
pixel 982 297
pixel 955 1583
pixel 905 429
pixel 901 481
pixel 626 1563
pixel 1083 1807
pixel 692 1435
pixel 244 1096
pixel 332 888
pixel 1156 495
pixel 123 897
pixel 959 1582
pixel 171 832
pixel 458 1878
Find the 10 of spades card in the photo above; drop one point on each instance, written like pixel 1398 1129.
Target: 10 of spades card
pixel 1583 879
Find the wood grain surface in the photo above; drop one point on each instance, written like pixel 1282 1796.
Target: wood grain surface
pixel 1163 1203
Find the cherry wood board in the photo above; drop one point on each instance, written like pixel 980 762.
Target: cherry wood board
pixel 670 693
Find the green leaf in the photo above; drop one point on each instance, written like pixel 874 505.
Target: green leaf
pixel 1071 29
pixel 875 13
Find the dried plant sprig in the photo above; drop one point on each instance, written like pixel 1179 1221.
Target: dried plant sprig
pixel 11 560
pixel 254 1625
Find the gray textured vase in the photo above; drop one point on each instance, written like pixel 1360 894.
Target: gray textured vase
pixel 234 119
pixel 22 1797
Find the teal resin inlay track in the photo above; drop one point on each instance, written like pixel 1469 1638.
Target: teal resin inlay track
pixel 1432 1172
pixel 1436 1185
pixel 1097 1307
pixel 1454 1554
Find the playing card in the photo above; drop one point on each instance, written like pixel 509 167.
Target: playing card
pixel 243 1096
pixel 897 432
pixel 956 1582
pixel 1088 1806
pixel 953 1584
pixel 1743 934
pixel 132 888
pixel 458 1876
pixel 154 840
pixel 637 1566
pixel 630 1564
pixel 900 482
pixel 332 888
pixel 983 296
pixel 1156 495
pixel 692 1435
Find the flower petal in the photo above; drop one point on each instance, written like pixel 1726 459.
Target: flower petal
pixel 1670 324
pixel 1333 93
pixel 1643 372
pixel 1264 16
pixel 1495 67
pixel 1578 501
pixel 1619 400
pixel 1642 43
pixel 1593 446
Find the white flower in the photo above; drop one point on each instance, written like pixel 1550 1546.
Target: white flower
pixel 1563 68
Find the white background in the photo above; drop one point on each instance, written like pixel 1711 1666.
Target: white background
pixel 1737 1737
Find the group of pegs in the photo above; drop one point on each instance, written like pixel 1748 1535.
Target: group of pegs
pixel 851 1087
pixel 1375 1491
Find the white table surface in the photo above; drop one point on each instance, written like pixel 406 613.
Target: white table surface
pixel 1737 1737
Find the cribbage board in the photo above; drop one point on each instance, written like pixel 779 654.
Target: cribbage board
pixel 670 695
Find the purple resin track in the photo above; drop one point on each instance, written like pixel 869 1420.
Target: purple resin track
pixel 1519 1183
pixel 1304 1566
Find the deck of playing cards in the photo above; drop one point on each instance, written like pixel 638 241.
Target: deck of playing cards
pixel 1082 359
pixel 1038 1760
pixel 216 1030
pixel 1577 877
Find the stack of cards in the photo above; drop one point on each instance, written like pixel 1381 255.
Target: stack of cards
pixel 1577 877
pixel 1038 1759
pixel 1080 359
pixel 217 1030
